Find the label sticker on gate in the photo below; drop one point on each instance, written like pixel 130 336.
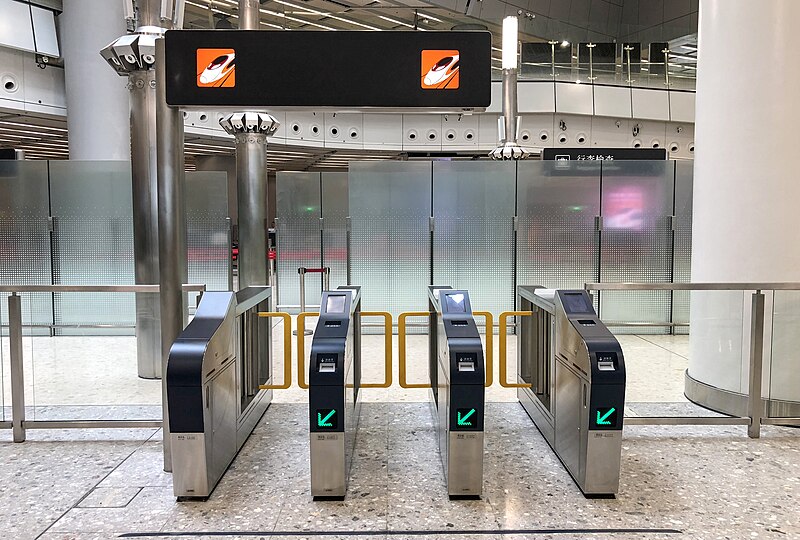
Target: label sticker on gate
pixel 327 419
pixel 606 416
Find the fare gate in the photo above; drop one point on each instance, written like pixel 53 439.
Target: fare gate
pixel 571 374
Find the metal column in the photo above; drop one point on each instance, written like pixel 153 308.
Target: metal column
pixel 251 130
pixel 145 220
pixel 509 148
pixel 133 55
pixel 16 365
pixel 173 266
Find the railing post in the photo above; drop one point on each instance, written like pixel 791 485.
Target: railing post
pixel 17 374
pixel 326 281
pixel 755 404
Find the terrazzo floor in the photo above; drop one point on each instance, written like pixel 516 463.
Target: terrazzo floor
pixel 676 482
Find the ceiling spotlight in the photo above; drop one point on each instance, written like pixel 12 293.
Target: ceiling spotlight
pixel 565 43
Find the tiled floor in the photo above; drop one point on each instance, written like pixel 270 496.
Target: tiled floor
pixel 705 483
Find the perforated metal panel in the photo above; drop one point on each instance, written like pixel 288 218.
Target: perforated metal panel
pixel 557 238
pixel 92 244
pixel 208 231
pixel 473 239
pixel 25 254
pixel 636 241
pixel 335 208
pixel 298 236
pixel 390 209
pixel 682 249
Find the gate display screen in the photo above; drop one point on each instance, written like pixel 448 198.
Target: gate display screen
pixel 448 71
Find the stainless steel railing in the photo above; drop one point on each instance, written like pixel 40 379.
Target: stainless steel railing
pixel 18 423
pixel 756 416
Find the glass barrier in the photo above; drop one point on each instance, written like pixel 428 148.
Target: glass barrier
pixel 25 239
pixel 208 232
pixel 656 65
pixel 92 215
pixel 87 377
pixel 783 375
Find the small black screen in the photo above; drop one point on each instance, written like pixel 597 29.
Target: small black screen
pixel 576 303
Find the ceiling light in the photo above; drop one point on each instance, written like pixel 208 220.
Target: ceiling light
pixel 510 38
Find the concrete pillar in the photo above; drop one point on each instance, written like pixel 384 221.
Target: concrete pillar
pixel 745 196
pixel 97 101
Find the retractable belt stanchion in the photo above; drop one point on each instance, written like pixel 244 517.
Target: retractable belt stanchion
pixel 326 285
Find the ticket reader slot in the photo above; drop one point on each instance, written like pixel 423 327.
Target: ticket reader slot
pixel 577 372
pixel 334 401
pixel 211 372
pixel 457 385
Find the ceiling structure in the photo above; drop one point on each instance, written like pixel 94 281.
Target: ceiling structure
pixel 540 20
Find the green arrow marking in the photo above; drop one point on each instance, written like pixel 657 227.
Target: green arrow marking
pixel 462 421
pixel 601 420
pixel 323 422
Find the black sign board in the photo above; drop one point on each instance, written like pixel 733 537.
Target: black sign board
pixel 8 153
pixel 448 71
pixel 603 154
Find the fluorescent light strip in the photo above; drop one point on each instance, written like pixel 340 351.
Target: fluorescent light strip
pixel 17 124
pixel 302 21
pixel 329 15
pixel 431 17
pixel 395 21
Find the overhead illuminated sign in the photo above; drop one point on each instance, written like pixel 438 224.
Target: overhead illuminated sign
pixel 447 71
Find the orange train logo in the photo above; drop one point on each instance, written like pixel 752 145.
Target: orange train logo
pixel 439 70
pixel 216 68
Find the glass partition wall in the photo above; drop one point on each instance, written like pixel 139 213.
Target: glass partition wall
pixel 490 226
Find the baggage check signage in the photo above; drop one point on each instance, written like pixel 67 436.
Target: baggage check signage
pixel 447 71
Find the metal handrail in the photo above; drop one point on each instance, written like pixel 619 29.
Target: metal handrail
pixel 401 347
pixel 19 424
pixel 755 402
pixel 287 350
pixel 387 344
pixel 502 325
pixel 193 287
pixel 722 286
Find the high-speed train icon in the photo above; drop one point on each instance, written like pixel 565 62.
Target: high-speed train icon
pixel 218 71
pixel 442 72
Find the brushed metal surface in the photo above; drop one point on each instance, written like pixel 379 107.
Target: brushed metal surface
pixel 223 421
pixel 251 181
pixel 328 475
pixel 465 463
pixel 603 455
pixel 190 479
pixel 145 220
pixel 568 418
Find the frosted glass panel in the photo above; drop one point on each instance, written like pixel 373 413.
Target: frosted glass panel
pixel 335 210
pixel 208 231
pixel 25 240
pixel 473 239
pixel 636 241
pixel 390 209
pixel 682 270
pixel 93 244
pixel 784 382
pixel 298 237
pixel 557 238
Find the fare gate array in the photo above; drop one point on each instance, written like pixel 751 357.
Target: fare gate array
pixel 219 386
